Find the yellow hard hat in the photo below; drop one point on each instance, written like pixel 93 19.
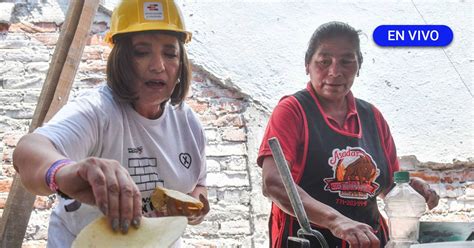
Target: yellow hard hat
pixel 144 15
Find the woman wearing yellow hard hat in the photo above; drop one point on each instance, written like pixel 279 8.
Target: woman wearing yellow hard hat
pixel 112 146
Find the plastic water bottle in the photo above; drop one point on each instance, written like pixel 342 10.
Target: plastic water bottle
pixel 404 207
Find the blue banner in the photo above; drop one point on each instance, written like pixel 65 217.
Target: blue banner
pixel 413 35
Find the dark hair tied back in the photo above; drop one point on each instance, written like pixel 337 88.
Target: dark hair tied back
pixel 332 30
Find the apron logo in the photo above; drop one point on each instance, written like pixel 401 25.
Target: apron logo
pixel 354 173
pixel 185 159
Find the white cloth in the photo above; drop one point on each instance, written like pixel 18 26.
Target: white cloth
pixel 168 151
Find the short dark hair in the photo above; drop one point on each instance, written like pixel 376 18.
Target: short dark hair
pixel 120 73
pixel 331 30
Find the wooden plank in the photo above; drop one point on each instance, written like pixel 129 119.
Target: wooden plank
pixel 55 91
pixel 74 58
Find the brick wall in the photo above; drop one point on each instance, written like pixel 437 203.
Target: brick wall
pixel 454 182
pixel 233 123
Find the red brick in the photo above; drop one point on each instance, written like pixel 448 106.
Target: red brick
pixel 468 175
pixel 93 66
pixel 43 202
pixel 207 92
pixel 230 120
pixel 93 81
pixel 428 176
pixel 232 106
pixel 91 53
pixel 207 119
pixel 453 190
pixel 439 166
pixel 448 186
pixel 15 28
pixel 216 92
pixel 3 200
pixel 93 40
pixel 106 51
pixel 99 27
pixel 231 94
pixel 4 27
pixel 34 244
pixel 451 176
pixel 7 155
pixel 49 27
pixel 234 135
pixel 27 27
pixel 48 39
pixel 198 78
pixel 96 39
pixel 447 180
pixel 8 170
pixel 11 139
pixel 198 107
pixel 5 185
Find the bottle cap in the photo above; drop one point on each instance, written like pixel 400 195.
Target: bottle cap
pixel 401 176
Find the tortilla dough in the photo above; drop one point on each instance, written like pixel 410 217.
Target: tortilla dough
pixel 153 232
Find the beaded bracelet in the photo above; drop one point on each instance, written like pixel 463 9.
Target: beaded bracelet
pixel 50 176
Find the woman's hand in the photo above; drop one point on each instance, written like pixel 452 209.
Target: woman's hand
pixel 106 184
pixel 357 234
pixel 431 197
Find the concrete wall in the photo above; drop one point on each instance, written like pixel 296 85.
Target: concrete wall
pixel 233 115
pixel 426 94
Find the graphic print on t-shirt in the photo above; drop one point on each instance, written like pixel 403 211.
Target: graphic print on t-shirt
pixel 143 172
pixel 185 159
pixel 138 150
pixel 355 173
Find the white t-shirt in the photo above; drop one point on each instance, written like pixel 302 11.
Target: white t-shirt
pixel 168 151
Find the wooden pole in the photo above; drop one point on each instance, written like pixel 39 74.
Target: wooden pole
pixel 74 58
pixel 54 94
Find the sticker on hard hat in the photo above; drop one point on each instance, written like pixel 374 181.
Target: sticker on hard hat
pixel 153 11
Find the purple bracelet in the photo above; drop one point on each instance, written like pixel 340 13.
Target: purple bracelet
pixel 51 173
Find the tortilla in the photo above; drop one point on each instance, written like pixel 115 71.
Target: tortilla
pixel 160 196
pixel 153 232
